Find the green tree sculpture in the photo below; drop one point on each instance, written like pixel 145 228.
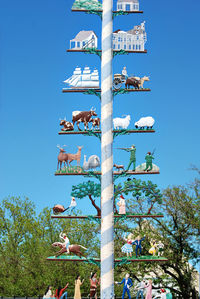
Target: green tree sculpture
pixel 90 189
pixel 140 188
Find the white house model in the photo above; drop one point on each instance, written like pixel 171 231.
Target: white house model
pixel 84 39
pixel 128 5
pixel 132 40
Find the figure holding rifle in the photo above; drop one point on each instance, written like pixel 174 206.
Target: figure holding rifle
pixel 132 160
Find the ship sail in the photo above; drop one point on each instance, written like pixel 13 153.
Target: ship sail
pixel 84 79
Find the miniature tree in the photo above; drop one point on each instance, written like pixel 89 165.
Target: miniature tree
pixel 90 189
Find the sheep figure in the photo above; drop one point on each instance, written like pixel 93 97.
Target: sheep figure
pixel 145 122
pixel 92 163
pixel 122 123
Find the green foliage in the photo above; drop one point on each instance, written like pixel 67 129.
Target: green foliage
pixel 142 192
pixel 179 231
pixel 25 243
pixel 87 188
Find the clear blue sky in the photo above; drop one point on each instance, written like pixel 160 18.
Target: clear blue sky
pixel 34 36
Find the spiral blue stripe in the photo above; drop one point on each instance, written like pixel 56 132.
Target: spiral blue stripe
pixel 107 192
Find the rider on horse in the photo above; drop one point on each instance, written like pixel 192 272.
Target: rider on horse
pixel 64 238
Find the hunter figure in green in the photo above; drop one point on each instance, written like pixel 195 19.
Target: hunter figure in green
pixel 149 161
pixel 132 150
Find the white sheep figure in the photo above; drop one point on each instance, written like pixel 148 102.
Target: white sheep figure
pixel 122 123
pixel 143 122
pixel 93 162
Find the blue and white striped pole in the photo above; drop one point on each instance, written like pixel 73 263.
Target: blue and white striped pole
pixel 107 190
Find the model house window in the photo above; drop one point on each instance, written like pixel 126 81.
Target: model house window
pixel 129 47
pixel 72 44
pixel 128 7
pixel 114 46
pixel 124 47
pixel 119 46
pixel 78 44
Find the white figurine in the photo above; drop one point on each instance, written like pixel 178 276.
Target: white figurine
pixel 145 122
pixel 160 247
pixel 72 205
pixel 93 162
pixel 121 122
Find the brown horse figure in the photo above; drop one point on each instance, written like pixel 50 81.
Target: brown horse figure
pixel 74 248
pixel 131 81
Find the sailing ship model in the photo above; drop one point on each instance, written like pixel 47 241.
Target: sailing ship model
pixel 84 79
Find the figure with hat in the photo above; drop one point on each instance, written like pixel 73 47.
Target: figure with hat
pixel 122 205
pixel 65 240
pixel 132 160
pixel 149 161
pixel 124 72
pixel 72 206
pixel 162 294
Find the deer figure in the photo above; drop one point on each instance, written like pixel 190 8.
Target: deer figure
pixel 62 157
pixel 77 156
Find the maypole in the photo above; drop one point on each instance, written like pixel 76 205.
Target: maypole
pixel 107 191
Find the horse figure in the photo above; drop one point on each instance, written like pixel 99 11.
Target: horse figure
pixel 74 248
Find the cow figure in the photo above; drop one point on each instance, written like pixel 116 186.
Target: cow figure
pixel 84 117
pixel 131 81
pixel 95 123
pixel 67 125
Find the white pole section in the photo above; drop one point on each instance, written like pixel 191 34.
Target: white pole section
pixel 107 190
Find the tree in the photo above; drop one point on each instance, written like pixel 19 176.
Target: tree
pixel 25 243
pixel 90 189
pixel 137 188
pixel 181 231
pixel 143 192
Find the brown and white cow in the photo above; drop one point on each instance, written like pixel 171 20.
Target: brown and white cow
pixel 84 117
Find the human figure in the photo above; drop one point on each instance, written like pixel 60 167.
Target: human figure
pixel 168 294
pixel 160 247
pixel 122 205
pixel 48 293
pixel 163 294
pixel 149 161
pixel 78 283
pixel 64 238
pixel 138 243
pixel 127 248
pixel 72 206
pixel 124 73
pixel 153 248
pixel 149 290
pixel 127 285
pixel 132 160
pixel 140 289
pixel 60 292
pixel 93 285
